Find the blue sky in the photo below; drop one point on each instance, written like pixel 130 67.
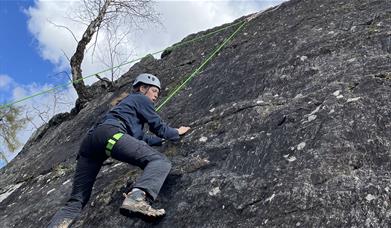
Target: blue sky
pixel 33 51
pixel 31 54
pixel 19 55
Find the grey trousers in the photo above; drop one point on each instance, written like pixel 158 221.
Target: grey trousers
pixel 156 165
pixel 92 154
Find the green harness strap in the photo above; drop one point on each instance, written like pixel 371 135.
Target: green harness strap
pixel 111 142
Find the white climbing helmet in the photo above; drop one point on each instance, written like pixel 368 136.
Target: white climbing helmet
pixel 148 79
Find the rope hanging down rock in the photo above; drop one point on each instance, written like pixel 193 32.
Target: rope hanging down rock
pixel 5 105
pixel 241 23
pixel 178 88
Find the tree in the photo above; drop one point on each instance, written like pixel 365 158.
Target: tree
pixel 112 51
pixel 105 14
pixel 10 124
pixel 40 113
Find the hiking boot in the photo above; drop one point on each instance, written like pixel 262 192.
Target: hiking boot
pixel 64 223
pixel 135 202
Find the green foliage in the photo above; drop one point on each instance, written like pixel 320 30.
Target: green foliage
pixel 11 123
pixel 146 58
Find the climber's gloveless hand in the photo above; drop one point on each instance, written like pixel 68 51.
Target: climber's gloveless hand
pixel 182 130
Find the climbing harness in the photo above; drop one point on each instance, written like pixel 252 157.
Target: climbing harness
pixel 111 142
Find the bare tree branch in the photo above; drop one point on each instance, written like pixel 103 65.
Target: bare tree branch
pixel 57 75
pixel 29 119
pixel 78 56
pixel 65 54
pixel 96 41
pixel 107 16
pixel 64 27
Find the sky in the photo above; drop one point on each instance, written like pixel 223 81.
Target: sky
pixel 19 56
pixel 34 47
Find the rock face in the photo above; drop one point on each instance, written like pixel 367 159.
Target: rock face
pixel 293 116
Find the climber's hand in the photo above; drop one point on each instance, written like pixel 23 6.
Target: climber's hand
pixel 182 130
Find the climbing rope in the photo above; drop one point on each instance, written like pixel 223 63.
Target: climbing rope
pixel 175 91
pixel 242 24
pixel 118 66
pixel 178 88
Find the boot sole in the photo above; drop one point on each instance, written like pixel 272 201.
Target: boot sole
pixel 134 212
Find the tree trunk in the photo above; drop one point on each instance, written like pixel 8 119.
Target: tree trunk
pixel 77 58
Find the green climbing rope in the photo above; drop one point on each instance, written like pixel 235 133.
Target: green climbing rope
pixel 175 91
pixel 115 67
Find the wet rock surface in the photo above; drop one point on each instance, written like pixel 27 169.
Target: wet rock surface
pixel 290 128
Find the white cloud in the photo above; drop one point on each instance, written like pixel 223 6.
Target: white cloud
pixel 5 81
pixel 179 18
pixel 18 93
pixel 53 40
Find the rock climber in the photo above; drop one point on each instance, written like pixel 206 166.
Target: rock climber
pixel 120 135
